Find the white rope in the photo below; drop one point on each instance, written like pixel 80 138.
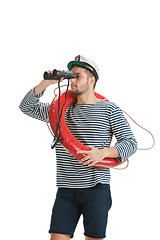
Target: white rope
pixel 46 119
pixel 143 129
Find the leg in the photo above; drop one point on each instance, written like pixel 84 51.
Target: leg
pixel 56 236
pixel 95 211
pixel 65 215
pixel 88 238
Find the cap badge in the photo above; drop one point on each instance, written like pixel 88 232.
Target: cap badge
pixel 77 58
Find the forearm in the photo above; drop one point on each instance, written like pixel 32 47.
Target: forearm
pixel 43 85
pixel 39 88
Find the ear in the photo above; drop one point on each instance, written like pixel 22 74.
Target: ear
pixel 92 80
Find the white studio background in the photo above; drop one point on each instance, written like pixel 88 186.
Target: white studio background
pixel 123 38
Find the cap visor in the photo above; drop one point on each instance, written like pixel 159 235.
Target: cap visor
pixel 70 64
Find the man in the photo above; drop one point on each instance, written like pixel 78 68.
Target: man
pixel 82 188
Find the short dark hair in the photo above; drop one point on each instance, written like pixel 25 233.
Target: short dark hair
pixel 89 75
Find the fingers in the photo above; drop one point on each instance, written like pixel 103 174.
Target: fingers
pixel 90 162
pixel 87 160
pixel 85 152
pixel 82 152
pixel 50 71
pixel 91 157
pixel 83 160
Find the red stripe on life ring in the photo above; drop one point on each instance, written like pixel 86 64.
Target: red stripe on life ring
pixel 70 143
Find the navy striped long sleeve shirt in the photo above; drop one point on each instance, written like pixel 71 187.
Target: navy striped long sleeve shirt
pixel 92 124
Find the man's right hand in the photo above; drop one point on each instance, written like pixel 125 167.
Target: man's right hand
pixel 44 84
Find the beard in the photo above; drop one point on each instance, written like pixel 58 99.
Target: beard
pixel 82 89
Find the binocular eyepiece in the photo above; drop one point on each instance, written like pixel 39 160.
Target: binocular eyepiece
pixel 57 74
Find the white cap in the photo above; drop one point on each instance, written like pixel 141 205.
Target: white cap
pixel 87 63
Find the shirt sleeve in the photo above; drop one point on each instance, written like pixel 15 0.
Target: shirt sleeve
pixel 126 143
pixel 31 106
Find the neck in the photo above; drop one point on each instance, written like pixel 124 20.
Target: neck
pixel 87 98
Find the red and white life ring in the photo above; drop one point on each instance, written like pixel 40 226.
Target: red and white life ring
pixel 69 142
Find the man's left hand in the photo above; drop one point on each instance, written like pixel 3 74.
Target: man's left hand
pixel 92 157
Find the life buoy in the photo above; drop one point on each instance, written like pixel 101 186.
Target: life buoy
pixel 69 142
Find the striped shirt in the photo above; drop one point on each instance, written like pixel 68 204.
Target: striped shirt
pixel 92 124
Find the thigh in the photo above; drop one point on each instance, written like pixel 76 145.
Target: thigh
pixel 65 213
pixel 95 210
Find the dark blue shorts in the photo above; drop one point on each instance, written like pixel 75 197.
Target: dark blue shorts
pixel 93 203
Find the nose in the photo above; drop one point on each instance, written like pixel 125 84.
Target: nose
pixel 72 80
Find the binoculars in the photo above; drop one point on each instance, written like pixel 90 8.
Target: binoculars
pixel 57 74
